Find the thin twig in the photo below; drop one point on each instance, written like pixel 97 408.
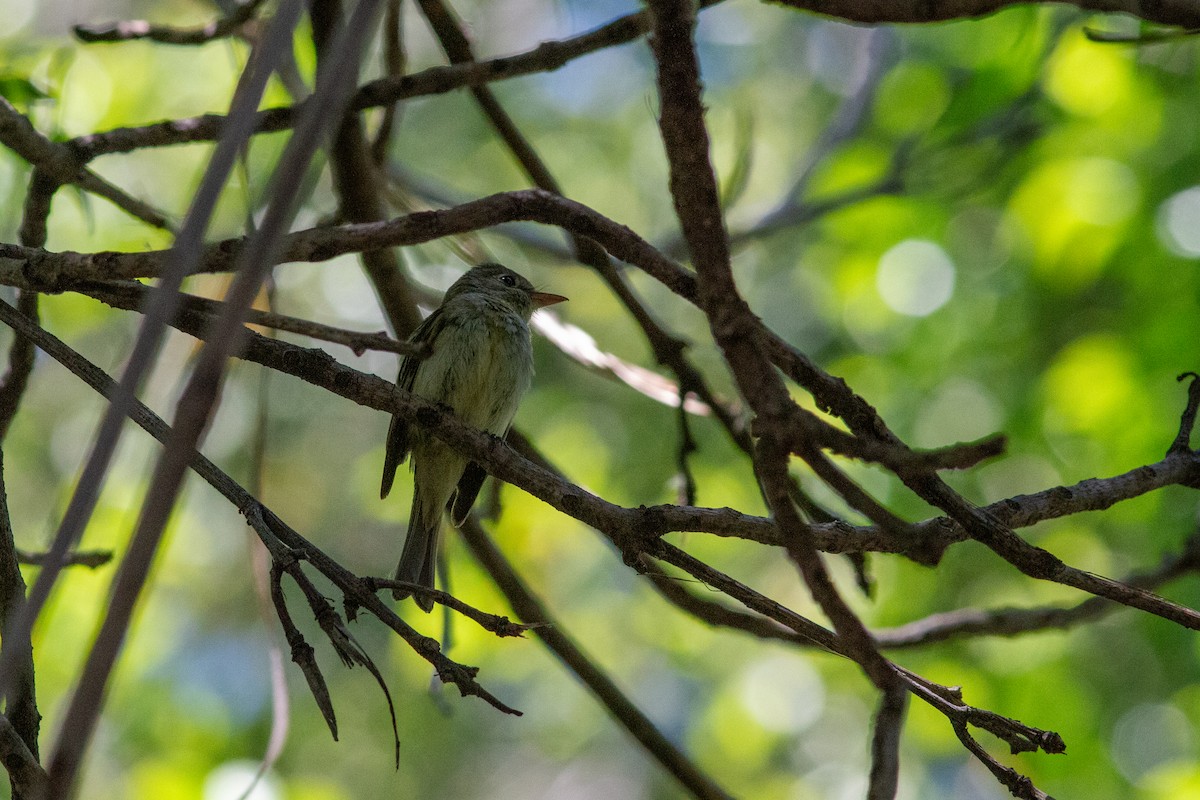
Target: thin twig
pixel 344 642
pixel 492 623
pixel 61 164
pixel 1183 440
pixel 132 296
pixel 303 655
pixel 130 30
pixel 972 622
pixel 578 345
pixel 20 366
pixel 1180 13
pixel 78 558
pixel 546 57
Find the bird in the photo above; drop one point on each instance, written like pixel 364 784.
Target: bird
pixel 478 362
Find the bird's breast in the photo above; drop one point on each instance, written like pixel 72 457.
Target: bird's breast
pixel 482 362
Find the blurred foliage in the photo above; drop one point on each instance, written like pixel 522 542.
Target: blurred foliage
pixel 1032 271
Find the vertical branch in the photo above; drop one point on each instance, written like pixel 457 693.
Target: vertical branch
pixel 20 701
pixel 885 744
pixel 396 62
pixel 696 198
pixel 20 366
pixel 186 251
pixel 358 184
pixel 20 697
pixel 20 692
pixel 42 187
pixel 334 85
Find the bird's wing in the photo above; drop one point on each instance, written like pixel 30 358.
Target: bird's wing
pixel 398 443
pixel 468 489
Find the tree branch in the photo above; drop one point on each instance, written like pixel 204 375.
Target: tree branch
pixel 1167 12
pixel 27 776
pixel 546 57
pixel 61 164
pixel 132 296
pixel 637 724
pixel 334 84
pixel 130 30
pixel 359 186
pixel 923 541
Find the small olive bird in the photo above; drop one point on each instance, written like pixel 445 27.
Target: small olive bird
pixel 479 364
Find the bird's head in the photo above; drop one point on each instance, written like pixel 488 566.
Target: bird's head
pixel 500 282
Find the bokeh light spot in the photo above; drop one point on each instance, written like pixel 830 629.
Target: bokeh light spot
pixel 1090 385
pixel 1101 191
pixel 782 694
pixel 915 277
pixel 1149 736
pixel 230 781
pixel 1179 222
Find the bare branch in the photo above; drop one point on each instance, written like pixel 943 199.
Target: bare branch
pixel 333 87
pixel 1168 12
pixel 1016 621
pixel 130 30
pixel 27 776
pixel 697 204
pixel 59 164
pixel 358 184
pixel 344 642
pixel 885 745
pixel 924 541
pixel 1187 421
pixel 21 716
pixel 58 271
pixel 79 558
pixel 302 652
pixel 546 57
pixel 20 366
pixel 132 296
pixel 492 623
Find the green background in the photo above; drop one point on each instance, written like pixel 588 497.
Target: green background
pixel 1033 271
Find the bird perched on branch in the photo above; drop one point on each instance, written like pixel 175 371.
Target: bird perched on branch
pixel 479 363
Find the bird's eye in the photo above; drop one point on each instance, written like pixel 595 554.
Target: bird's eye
pixel 508 280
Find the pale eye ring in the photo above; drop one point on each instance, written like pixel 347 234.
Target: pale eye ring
pixel 508 280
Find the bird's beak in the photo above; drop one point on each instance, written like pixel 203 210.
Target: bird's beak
pixel 543 299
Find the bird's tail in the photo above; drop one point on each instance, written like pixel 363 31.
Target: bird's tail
pixel 418 559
